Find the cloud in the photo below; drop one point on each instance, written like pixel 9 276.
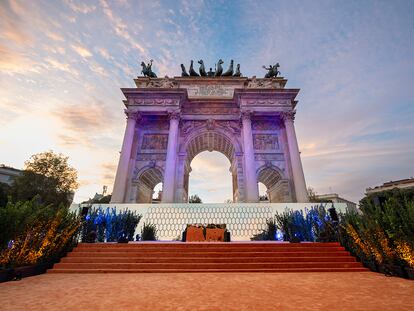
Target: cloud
pixel 98 69
pixel 15 62
pixel 82 51
pixel 54 63
pixel 104 53
pixel 80 7
pixel 120 28
pixel 108 172
pixel 10 23
pixel 54 36
pixel 69 140
pixel 85 117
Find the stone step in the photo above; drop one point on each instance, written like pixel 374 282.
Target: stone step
pixel 209 254
pixel 226 245
pixel 207 257
pixel 216 259
pixel 211 249
pixel 202 265
pixel 292 270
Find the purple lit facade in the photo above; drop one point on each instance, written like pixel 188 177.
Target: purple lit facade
pixel 171 120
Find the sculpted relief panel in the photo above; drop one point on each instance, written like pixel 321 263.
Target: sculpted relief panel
pixel 154 142
pixel 265 142
pixel 157 125
pixel 211 124
pixel 264 125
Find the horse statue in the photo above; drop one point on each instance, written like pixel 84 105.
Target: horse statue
pixel 229 71
pixel 202 69
pixel 219 69
pixel 147 71
pixel 184 72
pixel 272 71
pixel 237 73
pixel 192 72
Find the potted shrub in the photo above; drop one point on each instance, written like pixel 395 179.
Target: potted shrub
pixel 149 232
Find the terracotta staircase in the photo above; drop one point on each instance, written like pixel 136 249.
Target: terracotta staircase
pixel 207 257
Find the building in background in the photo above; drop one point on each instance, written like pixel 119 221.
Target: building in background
pixel 335 198
pixel 407 183
pixel 8 174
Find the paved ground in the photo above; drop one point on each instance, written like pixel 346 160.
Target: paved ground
pixel 209 291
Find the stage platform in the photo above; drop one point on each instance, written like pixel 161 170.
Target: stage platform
pixel 243 220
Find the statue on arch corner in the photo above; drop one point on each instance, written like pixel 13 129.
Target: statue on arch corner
pixel 147 70
pixel 272 71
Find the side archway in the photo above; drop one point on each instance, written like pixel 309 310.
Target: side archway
pixel 146 181
pixel 277 186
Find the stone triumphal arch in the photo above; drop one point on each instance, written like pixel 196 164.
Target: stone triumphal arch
pixel 171 120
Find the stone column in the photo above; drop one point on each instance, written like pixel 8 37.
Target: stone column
pixel 168 188
pixel 251 186
pixel 296 163
pixel 118 193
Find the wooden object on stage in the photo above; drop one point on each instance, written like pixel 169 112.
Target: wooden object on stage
pixel 195 234
pixel 215 235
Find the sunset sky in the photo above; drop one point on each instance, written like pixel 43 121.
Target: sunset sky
pixel 62 64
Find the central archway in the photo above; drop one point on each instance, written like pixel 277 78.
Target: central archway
pixel 210 177
pixel 211 140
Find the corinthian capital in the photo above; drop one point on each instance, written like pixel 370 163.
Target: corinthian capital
pixel 174 115
pixel 136 115
pixel 246 115
pixel 288 116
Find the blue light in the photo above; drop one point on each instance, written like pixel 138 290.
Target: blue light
pixel 279 235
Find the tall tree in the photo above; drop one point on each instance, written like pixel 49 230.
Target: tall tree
pixel 49 176
pixel 194 199
pixel 312 195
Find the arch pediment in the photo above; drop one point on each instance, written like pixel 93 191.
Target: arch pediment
pixel 204 138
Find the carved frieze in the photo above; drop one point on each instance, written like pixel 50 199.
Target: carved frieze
pixel 156 83
pixel 264 125
pixel 255 83
pixel 151 157
pixel 154 142
pixel 268 157
pixel 265 142
pixel 156 102
pixel 210 90
pixel 210 110
pixel 267 102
